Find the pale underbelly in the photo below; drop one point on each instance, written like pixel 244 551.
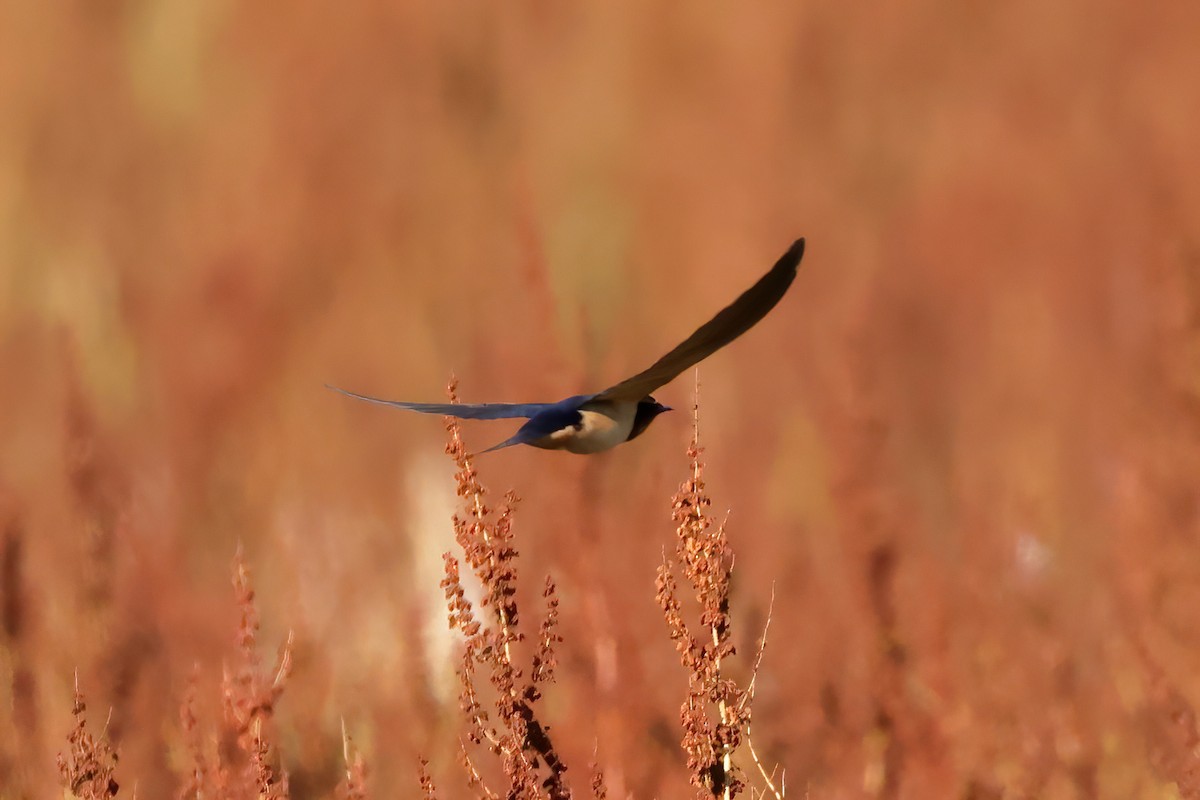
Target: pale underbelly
pixel 597 432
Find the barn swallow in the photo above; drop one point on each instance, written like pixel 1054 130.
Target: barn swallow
pixel 593 423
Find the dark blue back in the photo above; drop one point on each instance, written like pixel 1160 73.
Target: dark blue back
pixel 562 414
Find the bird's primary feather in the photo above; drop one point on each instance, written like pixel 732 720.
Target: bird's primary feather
pixel 730 323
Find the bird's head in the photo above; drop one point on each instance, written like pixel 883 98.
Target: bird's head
pixel 656 407
pixel 647 409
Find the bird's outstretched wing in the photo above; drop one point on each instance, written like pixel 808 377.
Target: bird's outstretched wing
pixel 460 410
pixel 731 322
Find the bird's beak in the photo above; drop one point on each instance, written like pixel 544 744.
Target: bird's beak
pixel 667 408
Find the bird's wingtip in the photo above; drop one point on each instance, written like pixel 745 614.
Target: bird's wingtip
pixel 789 262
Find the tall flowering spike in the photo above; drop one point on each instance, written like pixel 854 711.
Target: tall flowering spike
pixel 248 697
pixel 87 768
pixel 514 734
pixel 715 712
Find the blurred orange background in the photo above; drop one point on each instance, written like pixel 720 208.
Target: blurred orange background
pixel 964 450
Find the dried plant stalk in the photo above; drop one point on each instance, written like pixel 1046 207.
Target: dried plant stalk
pixel 249 695
pixel 428 789
pixel 515 735
pixel 716 712
pixel 87 768
pixel 353 785
pixel 198 776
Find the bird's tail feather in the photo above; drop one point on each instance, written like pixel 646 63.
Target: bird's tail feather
pixel 460 410
pixel 523 436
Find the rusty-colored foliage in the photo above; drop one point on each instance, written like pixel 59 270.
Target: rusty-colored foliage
pixel 530 764
pixel 238 758
pixel 87 769
pixel 963 449
pixel 716 713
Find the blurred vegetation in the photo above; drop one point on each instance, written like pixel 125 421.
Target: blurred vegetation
pixel 964 449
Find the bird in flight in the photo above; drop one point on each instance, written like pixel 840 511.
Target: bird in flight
pixel 593 423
